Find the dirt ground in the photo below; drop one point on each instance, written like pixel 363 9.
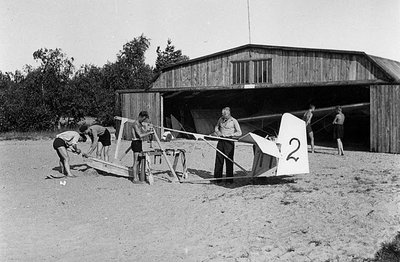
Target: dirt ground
pixel 342 211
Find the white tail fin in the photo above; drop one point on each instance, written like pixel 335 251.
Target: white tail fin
pixel 293 139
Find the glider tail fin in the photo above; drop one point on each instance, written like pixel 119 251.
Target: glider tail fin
pixel 293 142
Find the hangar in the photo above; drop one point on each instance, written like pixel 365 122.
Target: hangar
pixel 260 82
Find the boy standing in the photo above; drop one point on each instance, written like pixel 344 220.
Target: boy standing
pixel 307 118
pixel 338 130
pixel 139 131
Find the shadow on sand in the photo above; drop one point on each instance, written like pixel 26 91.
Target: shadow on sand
pixel 238 182
pixel 79 167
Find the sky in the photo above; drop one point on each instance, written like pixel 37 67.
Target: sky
pixel 93 32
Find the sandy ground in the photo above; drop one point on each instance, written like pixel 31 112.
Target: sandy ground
pixel 342 211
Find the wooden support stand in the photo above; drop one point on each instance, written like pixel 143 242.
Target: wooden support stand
pixel 178 154
pixel 110 167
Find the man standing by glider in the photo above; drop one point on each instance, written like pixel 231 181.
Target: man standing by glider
pixel 307 118
pixel 338 129
pixel 226 127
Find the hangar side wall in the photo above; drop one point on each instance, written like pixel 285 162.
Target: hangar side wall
pixel 133 103
pixel 287 67
pixel 385 118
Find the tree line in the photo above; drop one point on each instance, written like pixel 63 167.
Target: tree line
pixel 38 98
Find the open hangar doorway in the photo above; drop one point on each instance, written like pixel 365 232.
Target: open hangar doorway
pixel 198 111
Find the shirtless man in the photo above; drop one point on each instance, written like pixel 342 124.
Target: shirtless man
pixel 338 130
pixel 307 118
pixel 101 139
pixel 67 141
pixel 139 131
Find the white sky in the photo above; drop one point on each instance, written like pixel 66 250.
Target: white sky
pixel 94 31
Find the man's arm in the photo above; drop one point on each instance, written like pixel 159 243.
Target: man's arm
pixel 308 117
pixel 216 128
pixel 335 120
pixel 139 131
pixel 94 142
pixel 238 130
pixel 75 149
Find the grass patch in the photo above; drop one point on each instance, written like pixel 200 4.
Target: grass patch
pixel 30 135
pixel 390 251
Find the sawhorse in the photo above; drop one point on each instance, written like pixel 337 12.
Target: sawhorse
pixel 178 154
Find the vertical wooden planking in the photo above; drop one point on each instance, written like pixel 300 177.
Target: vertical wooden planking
pixel 312 67
pixel 300 66
pixel 353 68
pixel 371 119
pixel 392 118
pixel 344 68
pixel 382 120
pixel 278 77
pixel 321 67
pixel 161 114
pixel 379 118
pixel 397 117
pixel 376 114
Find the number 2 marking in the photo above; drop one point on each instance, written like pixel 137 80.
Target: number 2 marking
pixel 294 151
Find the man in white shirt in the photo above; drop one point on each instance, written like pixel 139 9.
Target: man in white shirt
pixel 227 127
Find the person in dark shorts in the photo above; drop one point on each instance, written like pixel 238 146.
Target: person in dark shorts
pixel 338 130
pixel 67 141
pixel 101 139
pixel 307 118
pixel 139 131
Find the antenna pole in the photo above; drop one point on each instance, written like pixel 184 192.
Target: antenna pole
pixel 248 19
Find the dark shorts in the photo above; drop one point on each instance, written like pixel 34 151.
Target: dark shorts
pixel 105 138
pixel 308 129
pixel 136 146
pixel 58 142
pixel 338 131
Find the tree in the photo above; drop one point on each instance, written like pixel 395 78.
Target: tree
pixel 129 72
pixel 168 57
pixel 57 94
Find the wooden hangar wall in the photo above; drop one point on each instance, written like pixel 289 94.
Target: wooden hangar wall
pixel 283 67
pixel 385 118
pixel 265 67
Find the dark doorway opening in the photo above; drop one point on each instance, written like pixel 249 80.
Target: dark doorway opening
pixel 198 109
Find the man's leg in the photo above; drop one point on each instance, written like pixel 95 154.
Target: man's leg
pixel 311 135
pixel 63 152
pixel 99 150
pixel 219 161
pixel 106 152
pixel 62 170
pixel 135 167
pixel 341 150
pixel 338 145
pixel 229 151
pixel 60 162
